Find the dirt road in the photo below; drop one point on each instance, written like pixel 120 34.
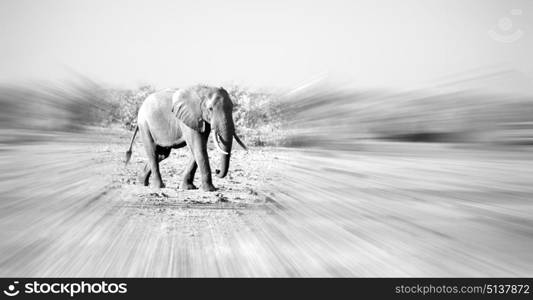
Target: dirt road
pixel 70 208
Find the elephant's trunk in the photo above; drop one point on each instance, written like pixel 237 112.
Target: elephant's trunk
pixel 223 141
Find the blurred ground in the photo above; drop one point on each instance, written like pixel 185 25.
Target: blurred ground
pixel 70 208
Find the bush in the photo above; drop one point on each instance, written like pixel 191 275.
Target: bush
pixel 256 114
pixel 126 104
pixel 49 107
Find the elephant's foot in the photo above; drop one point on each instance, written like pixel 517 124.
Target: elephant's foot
pixel 144 180
pixel 208 187
pixel 159 184
pixel 188 186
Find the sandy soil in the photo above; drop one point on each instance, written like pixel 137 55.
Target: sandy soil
pixel 71 208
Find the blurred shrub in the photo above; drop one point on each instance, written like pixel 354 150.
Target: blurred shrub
pixel 318 116
pixel 32 111
pixel 332 118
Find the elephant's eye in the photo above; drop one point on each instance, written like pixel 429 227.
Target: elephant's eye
pixel 210 108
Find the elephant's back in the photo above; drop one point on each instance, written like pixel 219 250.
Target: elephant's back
pixel 156 114
pixel 158 104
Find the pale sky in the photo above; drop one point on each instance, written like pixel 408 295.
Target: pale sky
pixel 387 43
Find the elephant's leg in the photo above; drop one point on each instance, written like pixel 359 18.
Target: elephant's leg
pixel 188 177
pixel 145 177
pixel 147 170
pixel 198 146
pixel 153 159
pixel 205 170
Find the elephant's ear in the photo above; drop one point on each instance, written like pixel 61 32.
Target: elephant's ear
pixel 186 106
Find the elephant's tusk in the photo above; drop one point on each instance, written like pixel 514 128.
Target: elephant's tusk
pixel 216 142
pixel 239 141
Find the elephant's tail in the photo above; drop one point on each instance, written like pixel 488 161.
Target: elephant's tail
pixel 128 153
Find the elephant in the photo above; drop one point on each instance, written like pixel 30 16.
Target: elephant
pixel 173 118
